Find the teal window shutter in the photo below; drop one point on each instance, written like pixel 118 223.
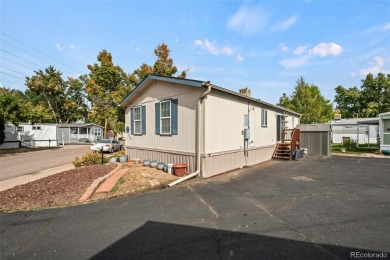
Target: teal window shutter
pixel 157 111
pixel 132 121
pixel 174 107
pixel 143 114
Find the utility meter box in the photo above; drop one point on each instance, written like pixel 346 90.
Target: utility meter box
pixel 247 134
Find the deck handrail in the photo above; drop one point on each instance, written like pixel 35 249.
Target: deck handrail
pixel 292 135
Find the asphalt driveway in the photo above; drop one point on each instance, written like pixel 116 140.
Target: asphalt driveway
pixel 19 164
pixel 318 207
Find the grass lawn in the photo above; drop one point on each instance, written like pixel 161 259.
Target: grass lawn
pixel 363 148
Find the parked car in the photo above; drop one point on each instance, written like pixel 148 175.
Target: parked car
pixel 108 145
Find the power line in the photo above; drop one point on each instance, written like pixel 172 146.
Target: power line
pixel 21 58
pixel 11 75
pixel 17 63
pixel 30 53
pixel 13 70
pixel 40 52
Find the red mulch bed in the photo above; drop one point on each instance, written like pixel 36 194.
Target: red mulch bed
pixel 60 189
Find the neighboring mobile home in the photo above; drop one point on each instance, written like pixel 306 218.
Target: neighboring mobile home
pixel 384 131
pixel 211 129
pixel 38 135
pixel 79 133
pixel 361 130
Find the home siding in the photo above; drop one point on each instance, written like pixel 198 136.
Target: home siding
pixel 45 137
pixel 178 148
pixel 223 147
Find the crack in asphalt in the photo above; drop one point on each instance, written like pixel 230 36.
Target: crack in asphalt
pixel 257 204
pixel 213 211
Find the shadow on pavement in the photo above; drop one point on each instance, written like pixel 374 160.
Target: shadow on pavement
pixel 155 240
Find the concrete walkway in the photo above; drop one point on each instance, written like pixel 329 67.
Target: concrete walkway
pixel 8 184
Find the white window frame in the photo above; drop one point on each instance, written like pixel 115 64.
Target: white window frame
pixel 293 124
pixel 137 120
pixel 97 131
pixel 20 129
pixel 264 117
pixel 37 127
pixel 170 117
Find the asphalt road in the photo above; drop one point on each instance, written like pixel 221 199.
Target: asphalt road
pixel 314 208
pixel 18 164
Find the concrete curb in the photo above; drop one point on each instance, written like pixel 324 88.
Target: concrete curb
pixel 24 179
pixel 91 189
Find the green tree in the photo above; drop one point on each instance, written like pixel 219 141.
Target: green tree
pixel 12 109
pixel 371 99
pixel 348 101
pixel 106 85
pixel 51 86
pixel 64 99
pixel 163 66
pixel 307 100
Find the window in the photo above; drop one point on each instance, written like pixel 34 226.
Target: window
pixel 137 120
pixel 97 131
pixel 264 117
pixel 37 127
pixel 19 129
pixel 293 124
pixel 165 117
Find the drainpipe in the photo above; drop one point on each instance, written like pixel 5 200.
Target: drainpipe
pixel 198 137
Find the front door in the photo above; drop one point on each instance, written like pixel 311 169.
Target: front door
pixel 278 128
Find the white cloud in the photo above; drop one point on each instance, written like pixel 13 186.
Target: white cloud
pixel 212 48
pixel 325 49
pixel 72 46
pixel 58 46
pixel 284 25
pixel 176 40
pixel 248 20
pixel 239 58
pixel 300 50
pixel 377 67
pixel 208 46
pixel 380 28
pixel 284 47
pixel 227 51
pixel 292 63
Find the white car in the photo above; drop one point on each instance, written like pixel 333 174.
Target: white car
pixel 108 145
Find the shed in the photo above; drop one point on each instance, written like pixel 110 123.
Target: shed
pixel 316 138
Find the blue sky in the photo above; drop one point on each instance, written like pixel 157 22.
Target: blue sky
pixel 263 45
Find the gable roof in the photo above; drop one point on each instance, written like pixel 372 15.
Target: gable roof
pixel 202 84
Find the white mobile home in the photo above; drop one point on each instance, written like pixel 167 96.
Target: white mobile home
pixel 361 130
pixel 384 131
pixel 211 129
pixel 38 135
pixel 11 140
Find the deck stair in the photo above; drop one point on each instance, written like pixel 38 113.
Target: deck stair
pixel 290 142
pixel 282 151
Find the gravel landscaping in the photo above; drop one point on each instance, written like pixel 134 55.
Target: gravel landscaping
pixel 61 189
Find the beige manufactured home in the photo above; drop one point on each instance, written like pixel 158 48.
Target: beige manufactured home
pixel 211 129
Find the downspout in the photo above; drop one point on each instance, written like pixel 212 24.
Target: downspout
pixel 198 137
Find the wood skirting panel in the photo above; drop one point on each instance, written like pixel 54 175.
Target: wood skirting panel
pixel 223 162
pixel 162 156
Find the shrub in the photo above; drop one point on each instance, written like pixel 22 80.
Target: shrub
pixel 89 159
pixel 350 144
